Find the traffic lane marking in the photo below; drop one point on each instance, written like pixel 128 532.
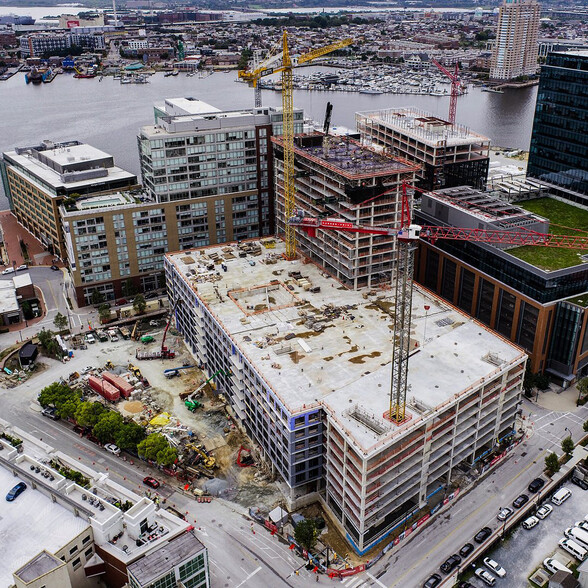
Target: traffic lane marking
pixel 459 526
pixel 372 577
pixel 249 576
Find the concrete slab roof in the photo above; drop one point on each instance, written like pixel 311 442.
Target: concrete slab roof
pixel 274 321
pixel 40 565
pixel 8 300
pixel 22 280
pixel 149 568
pixel 30 524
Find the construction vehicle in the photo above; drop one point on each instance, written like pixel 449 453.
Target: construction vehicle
pixel 208 461
pixel 407 236
pixel 147 339
pixel 135 371
pixel 197 392
pixel 125 333
pixel 272 65
pixel 164 353
pixel 109 365
pixel 102 336
pixel 193 405
pixel 135 333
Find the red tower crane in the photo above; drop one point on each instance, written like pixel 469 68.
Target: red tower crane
pixel 407 236
pixel 454 77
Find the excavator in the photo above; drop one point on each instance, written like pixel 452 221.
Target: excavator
pixel 207 460
pixel 190 398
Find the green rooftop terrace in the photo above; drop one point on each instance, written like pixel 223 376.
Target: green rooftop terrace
pixel 564 219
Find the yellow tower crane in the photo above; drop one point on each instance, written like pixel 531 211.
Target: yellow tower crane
pixel 281 61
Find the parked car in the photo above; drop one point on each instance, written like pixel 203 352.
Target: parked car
pixel 24 266
pixel 580 483
pixel 544 511
pixel 8 270
pixel 87 369
pixel 495 567
pixel 112 448
pixel 485 576
pixel 466 550
pixel 79 430
pixel 450 564
pixel 536 485
pixel 505 513
pixel 465 584
pixel 483 534
pixel 150 296
pixel 433 581
pixel 530 522
pixel 16 491
pixel 90 338
pixel 54 268
pixel 520 501
pixel 151 482
pixel 50 412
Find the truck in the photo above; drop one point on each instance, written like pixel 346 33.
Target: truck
pixel 112 335
pixel 163 353
pixel 125 333
pixel 102 336
pixel 104 388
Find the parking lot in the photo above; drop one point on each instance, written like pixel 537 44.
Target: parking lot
pixel 521 553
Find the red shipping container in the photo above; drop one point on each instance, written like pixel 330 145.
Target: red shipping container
pixel 105 389
pixel 120 383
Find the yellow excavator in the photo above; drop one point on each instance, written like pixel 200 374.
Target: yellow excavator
pixel 207 460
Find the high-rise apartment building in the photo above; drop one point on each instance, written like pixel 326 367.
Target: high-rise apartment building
pixel 38 179
pixel 515 49
pixel 351 182
pixel 448 155
pixel 223 159
pixel 559 144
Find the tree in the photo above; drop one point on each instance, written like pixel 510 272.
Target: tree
pixel 583 386
pixel 108 426
pixel 567 446
pixel 528 382
pixel 62 397
pixel 60 322
pixel 585 426
pixel 27 310
pixel 306 533
pixel 542 381
pixel 139 304
pixel 156 447
pixel 48 343
pixel 552 463
pixel 97 297
pixel 104 312
pixel 88 413
pixel 129 436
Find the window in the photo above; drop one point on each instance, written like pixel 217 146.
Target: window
pixel 76 563
pixel 299 422
pixel 73 549
pixel 89 553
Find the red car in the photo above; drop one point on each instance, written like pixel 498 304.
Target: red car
pixel 151 482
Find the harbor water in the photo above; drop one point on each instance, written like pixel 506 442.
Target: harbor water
pixel 108 115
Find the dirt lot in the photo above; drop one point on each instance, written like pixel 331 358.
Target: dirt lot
pixel 211 424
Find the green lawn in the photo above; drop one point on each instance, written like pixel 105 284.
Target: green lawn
pixel 560 215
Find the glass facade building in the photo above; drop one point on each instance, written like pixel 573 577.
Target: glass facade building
pixel 559 142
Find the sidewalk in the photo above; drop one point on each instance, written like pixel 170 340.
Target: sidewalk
pixel 557 399
pixel 13 233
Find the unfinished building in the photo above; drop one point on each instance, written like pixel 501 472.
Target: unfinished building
pixel 449 154
pixel 338 177
pixel 308 364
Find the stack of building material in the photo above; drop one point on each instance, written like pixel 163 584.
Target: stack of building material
pixel 125 388
pixel 104 388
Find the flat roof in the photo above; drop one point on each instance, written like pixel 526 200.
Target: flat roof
pixel 151 566
pixel 30 524
pixel 40 565
pixel 22 280
pixel 424 126
pixel 71 154
pixel 187 105
pixel 339 342
pixel 8 300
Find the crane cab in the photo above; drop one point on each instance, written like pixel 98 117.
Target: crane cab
pixel 412 233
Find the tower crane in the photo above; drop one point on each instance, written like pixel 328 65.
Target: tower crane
pixel 454 77
pixel 407 236
pixel 282 61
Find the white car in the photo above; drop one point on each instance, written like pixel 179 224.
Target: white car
pixel 544 511
pixel 495 567
pixel 530 522
pixel 112 448
pixel 582 525
pixel 24 266
pixel 8 270
pixel 90 338
pixel 485 576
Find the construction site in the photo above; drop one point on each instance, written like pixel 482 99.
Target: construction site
pixel 306 372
